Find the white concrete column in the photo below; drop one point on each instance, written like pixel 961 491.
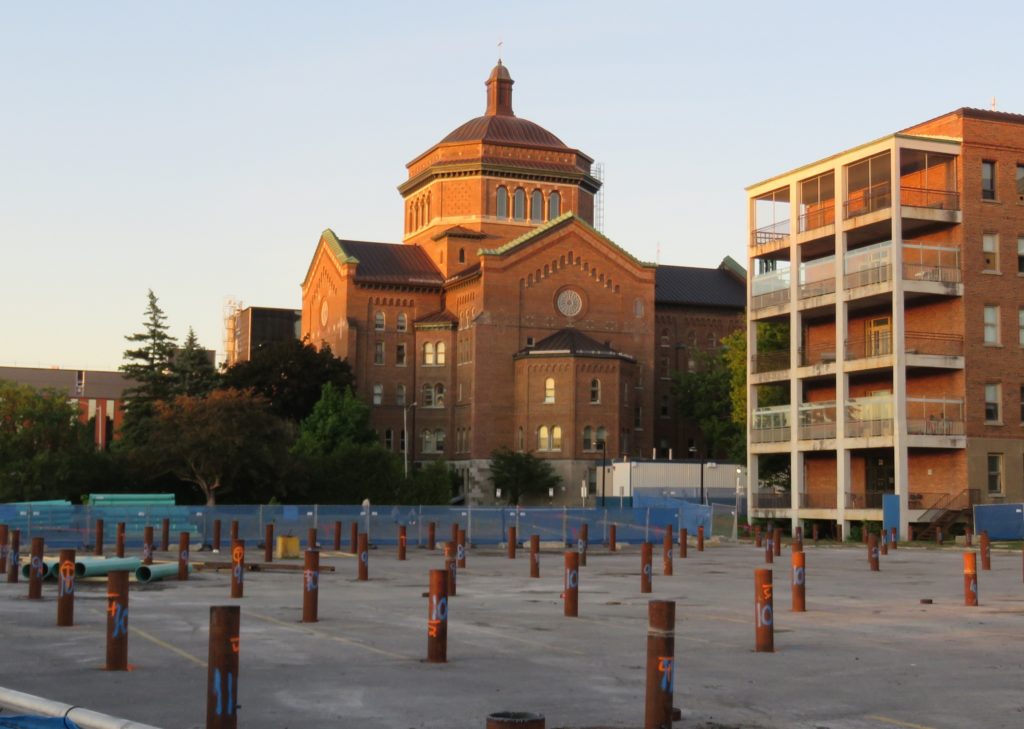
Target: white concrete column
pixel 795 391
pixel 899 375
pixel 842 382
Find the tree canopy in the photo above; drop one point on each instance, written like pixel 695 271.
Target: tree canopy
pixel 337 418
pixel 521 474
pixel 193 372
pixel 704 395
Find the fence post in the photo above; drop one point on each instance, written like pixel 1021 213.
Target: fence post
pixel 268 543
pixel 645 567
pixel 799 577
pixel 647 524
pixel 3 548
pixel 437 618
pixel 183 556
pixel 117 620
pixel 970 579
pixel 986 551
pixel 35 569
pixel 571 596
pixel 311 586
pixel 237 568
pixel 66 589
pixel 14 557
pixel 451 566
pixel 364 557
pixel 565 527
pixel 460 549
pixel 873 552
pixel 661 651
pixel 534 555
pixel 222 671
pixel 666 551
pixel 98 552
pixel 764 614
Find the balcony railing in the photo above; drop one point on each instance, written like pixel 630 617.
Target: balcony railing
pixel 770 289
pixel 868 417
pixel 772 500
pixel 821 500
pixel 868 265
pixel 770 425
pixel 931 263
pixel 822 215
pixel 818 354
pixel 865 500
pixel 921 198
pixel 934 416
pixel 817 420
pixel 817 277
pixel 769 361
pixel 877 345
pixel 867 200
pixel 771 233
pixel 946 345
pixel 771 298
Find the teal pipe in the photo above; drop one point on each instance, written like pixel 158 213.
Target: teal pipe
pixel 155 572
pixel 49 569
pixel 100 567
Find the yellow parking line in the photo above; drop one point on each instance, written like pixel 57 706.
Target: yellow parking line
pixel 303 628
pixel 173 649
pixel 897 722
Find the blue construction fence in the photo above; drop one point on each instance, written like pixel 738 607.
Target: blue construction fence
pixel 1001 521
pixel 73 526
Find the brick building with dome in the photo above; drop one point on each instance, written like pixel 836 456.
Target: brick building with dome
pixel 505 319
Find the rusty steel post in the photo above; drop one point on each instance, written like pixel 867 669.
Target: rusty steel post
pixel 98 551
pixel 700 538
pixel 147 545
pixel 799 581
pixel 353 537
pixel 311 541
pixel 401 542
pixel 683 542
pixel 777 543
pixel 764 612
pixel 117 620
pixel 216 535
pixel 451 564
pixel 814 534
pixel 432 536
pixel 967 536
pixel 460 549
pixel 222 668
pixel 571 594
pixel 583 543
pixel 893 538
pixel 268 542
pixel 237 568
pixel 66 589
pixel 119 544
pixel 645 567
pixel 437 618
pixel 798 540
pixel 165 534
pixel 612 544
pixel 986 552
pixel 36 570
pixel 511 547
pixel 938 536
pixel 4 536
pixel 183 556
pixel 364 556
pixel 873 552
pixel 455 532
pixel 515 720
pixel 970 579
pixel 666 552
pixel 14 557
pixel 337 536
pixel 311 586
pixel 769 551
pixel 885 543
pixel 758 539
pixel 661 654
pixel 534 555
pixel 234 531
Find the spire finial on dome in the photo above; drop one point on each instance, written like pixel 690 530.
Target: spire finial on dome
pixel 499 91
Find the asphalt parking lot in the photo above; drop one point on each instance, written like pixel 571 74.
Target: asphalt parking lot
pixel 867 654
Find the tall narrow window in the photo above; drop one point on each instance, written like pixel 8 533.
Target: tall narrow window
pixel 990 252
pixel 638 418
pixel 595 391
pixel 549 390
pixel 427 395
pixel 988 180
pixel 501 204
pixel 1020 255
pixel 536 207
pixel 389 439
pixel 400 395
pixel 439 439
pixel 1020 183
pixel 542 438
pixel 556 438
pixel 602 438
pixel 554 205
pixel 378 353
pixel 402 324
pixel 665 410
pixel 991 325
pixel 440 353
pixel 439 395
pixel 462 255
pixel 378 321
pixel 428 353
pixel 588 438
pixel 1020 326
pixel 993 396
pixel 428 441
pixel 400 355
pixel 519 204
pixel 995 473
pixel 378 394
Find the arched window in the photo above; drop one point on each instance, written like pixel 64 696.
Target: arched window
pixel 556 438
pixel 440 353
pixel 555 208
pixel 428 441
pixel 403 323
pixel 428 353
pixel 389 439
pixel 602 437
pixel 401 441
pixel 595 391
pixel 549 390
pixel 522 442
pixel 439 441
pixel 588 438
pixel 542 438
pixel 462 255
pixel 712 340
pixel 428 395
pixel 501 207
pixel 438 395
pixel 378 321
pixel 400 395
pixel 536 207
pixel 519 204
pixel 378 394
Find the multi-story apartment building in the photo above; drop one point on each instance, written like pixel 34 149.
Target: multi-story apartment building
pixel 885 327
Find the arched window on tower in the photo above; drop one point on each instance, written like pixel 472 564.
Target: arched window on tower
pixel 549 390
pixel 378 321
pixel 501 203
pixel 537 207
pixel 427 396
pixel 519 204
pixel 555 208
pixel 462 255
pixel 556 438
pixel 428 353
pixel 588 438
pixel 543 441
pixel 440 353
pixel 595 391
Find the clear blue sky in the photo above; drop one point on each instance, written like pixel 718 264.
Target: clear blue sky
pixel 199 148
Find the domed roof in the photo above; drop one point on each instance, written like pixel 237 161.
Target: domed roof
pixel 499 124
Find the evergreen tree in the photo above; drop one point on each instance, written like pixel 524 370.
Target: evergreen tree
pixel 521 474
pixel 339 418
pixel 148 366
pixel 194 374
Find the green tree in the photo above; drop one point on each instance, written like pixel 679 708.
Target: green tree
pixel 435 483
pixel 521 474
pixel 148 366
pixel 703 395
pixel 772 339
pixel 290 376
pixel 193 372
pixel 337 418
pixel 226 442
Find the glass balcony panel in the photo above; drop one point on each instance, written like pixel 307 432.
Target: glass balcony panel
pixel 928 179
pixel 769 289
pixel 935 416
pixel 869 186
pixel 817 420
pixel 771 424
pixel 817 277
pixel 931 263
pixel 868 265
pixel 869 416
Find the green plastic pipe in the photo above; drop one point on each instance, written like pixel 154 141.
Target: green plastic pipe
pixel 100 567
pixel 49 569
pixel 156 572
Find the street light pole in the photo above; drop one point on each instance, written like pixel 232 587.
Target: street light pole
pixel 736 508
pixel 693 454
pixel 405 435
pixel 604 469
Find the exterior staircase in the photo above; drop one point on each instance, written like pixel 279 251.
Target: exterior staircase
pixel 946 512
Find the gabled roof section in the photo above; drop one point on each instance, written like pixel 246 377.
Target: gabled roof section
pixel 437 320
pixel 388 263
pixel 689 286
pixel 458 231
pixel 560 221
pixel 571 342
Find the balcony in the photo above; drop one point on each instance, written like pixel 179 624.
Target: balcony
pixel 817 420
pixel 935 416
pixel 772 499
pixel 868 200
pixel 866 500
pixel 931 265
pixel 818 354
pixel 920 197
pixel 770 289
pixel 771 234
pixel 878 344
pixel 770 425
pixel 769 362
pixel 928 343
pixel 869 417
pixel 868 265
pixel 822 500
pixel 819 217
pixel 817 278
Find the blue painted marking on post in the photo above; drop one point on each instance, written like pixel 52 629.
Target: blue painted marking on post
pixel 460 552
pixel 764 615
pixel 364 557
pixel 647 570
pixel 572 578
pixel 147 551
pixel 37 566
pixel 312 580
pixel 183 557
pixel 874 553
pixel 217 690
pixel 668 678
pixel 239 575
pixel 120 620
pixel 580 546
pixel 974 587
pixel 798 575
pixel 439 609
